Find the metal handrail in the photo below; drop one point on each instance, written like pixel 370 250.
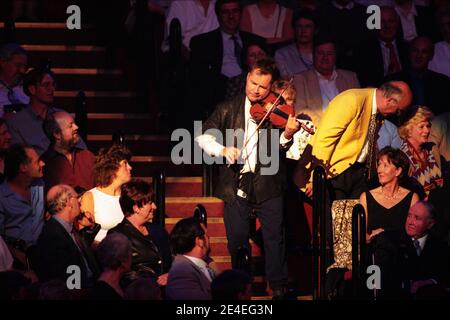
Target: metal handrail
pixel 159 188
pixel 358 247
pixel 319 218
pixel 201 215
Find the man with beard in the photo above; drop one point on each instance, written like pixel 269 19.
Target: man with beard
pixel 66 162
pixel 26 125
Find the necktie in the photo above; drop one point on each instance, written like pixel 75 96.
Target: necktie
pixel 82 249
pixel 371 161
pixel 417 247
pixel 394 65
pixel 211 273
pixel 237 49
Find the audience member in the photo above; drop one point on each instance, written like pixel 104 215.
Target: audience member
pixel 54 290
pixel 150 246
pixel 440 62
pixel 190 276
pixel 111 171
pixel 298 56
pixel 66 162
pixel 429 88
pixel 114 256
pixel 26 126
pixel 13 62
pixel 6 259
pixel 5 142
pixel 440 135
pixel 143 289
pixel 60 245
pixel 22 196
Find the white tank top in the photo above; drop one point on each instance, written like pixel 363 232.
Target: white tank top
pixel 107 212
pixel 271 27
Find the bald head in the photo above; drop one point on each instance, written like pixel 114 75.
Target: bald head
pixel 393 97
pixel 63 200
pixel 62 130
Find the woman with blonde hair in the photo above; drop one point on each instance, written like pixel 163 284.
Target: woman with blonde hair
pixel 425 165
pixel 111 171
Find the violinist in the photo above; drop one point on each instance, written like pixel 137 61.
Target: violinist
pixel 248 188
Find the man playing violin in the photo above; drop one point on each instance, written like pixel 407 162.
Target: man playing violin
pixel 245 186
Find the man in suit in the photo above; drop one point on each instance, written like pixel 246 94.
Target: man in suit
pixel 317 87
pixel 429 88
pixel 216 56
pixel 382 54
pixel 252 184
pixel 59 245
pixel 342 142
pixel 426 259
pixel 190 276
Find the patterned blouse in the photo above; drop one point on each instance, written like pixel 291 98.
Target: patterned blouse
pixel 427 172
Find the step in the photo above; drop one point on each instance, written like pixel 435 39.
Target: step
pixel 99 101
pixel 89 79
pixel 148 166
pixel 157 145
pixel 180 186
pixel 220 246
pixel 179 207
pixel 60 55
pixel 52 32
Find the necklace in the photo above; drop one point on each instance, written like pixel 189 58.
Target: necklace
pixel 394 194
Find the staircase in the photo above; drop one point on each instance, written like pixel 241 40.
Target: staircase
pixel 112 105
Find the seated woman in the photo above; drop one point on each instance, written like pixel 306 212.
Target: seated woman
pixel 425 168
pixel 111 171
pixel 386 209
pixel 149 242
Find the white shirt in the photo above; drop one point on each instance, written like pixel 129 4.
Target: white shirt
pixel 192 19
pixel 441 59
pixel 201 264
pixel 249 155
pixel 422 241
pixel 386 55
pixel 6 259
pixel 328 88
pixel 365 149
pixel 408 23
pixel 18 93
pixel 290 61
pixel 230 65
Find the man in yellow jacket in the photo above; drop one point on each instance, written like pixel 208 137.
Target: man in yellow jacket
pixel 341 142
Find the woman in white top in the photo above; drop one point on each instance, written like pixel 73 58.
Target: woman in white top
pixel 111 171
pixel 268 19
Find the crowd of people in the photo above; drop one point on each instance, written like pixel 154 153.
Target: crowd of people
pixel 377 104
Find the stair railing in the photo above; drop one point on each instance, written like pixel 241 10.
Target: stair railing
pixel 159 188
pixel 319 220
pixel 207 180
pixel 359 248
pixel 201 215
pixel 81 118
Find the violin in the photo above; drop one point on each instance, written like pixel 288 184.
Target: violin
pixel 276 111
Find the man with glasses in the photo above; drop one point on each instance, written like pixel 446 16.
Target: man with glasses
pixel 13 61
pixel 26 126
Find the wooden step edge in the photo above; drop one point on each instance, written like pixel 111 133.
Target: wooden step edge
pixel 151 159
pixel 86 71
pixel 221 259
pixel 134 137
pixel 175 179
pixel 299 298
pixel 193 199
pixel 218 240
pixel 100 94
pixel 211 220
pixel 44 25
pixel 118 116
pixel 62 47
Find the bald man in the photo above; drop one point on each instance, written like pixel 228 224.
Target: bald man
pixel 342 142
pixel 67 163
pixel 59 245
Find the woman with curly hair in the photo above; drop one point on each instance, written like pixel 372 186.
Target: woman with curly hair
pixel 111 171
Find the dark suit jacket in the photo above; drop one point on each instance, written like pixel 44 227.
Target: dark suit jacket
pixel 436 89
pixel 206 66
pixel 369 61
pixel 187 282
pixel 433 262
pixel 147 252
pixel 56 250
pixel 230 115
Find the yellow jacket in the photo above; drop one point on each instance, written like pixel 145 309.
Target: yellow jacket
pixel 340 135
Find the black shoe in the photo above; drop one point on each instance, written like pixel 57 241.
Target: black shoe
pixel 279 293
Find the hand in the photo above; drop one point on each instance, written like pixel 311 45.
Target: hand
pixel 292 126
pixel 231 154
pixel 162 279
pixel 374 234
pixel 88 220
pixel 309 190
